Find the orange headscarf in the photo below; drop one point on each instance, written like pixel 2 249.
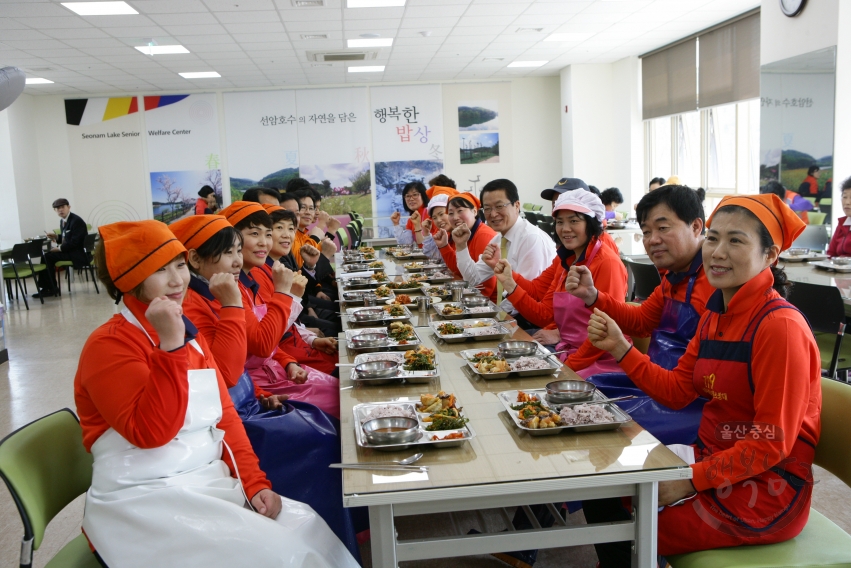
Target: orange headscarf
pixel 440 189
pixel 469 197
pixel 453 193
pixel 782 223
pixel 271 208
pixel 239 210
pixel 196 230
pixel 137 249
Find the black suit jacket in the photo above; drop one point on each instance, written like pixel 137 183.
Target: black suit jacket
pixel 72 237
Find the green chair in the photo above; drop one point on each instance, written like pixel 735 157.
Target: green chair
pixel 811 200
pixel 45 467
pixel 825 310
pixel 537 207
pixel 821 543
pixel 816 218
pixel 68 265
pixel 528 207
pixel 88 227
pixel 343 235
pixel 826 201
pixel 18 268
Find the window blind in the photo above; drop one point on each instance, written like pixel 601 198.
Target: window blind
pixel 729 63
pixel 669 80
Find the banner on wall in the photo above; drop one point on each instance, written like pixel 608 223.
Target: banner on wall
pixel 407 142
pixel 107 171
pixel 334 147
pixel 262 139
pixel 183 152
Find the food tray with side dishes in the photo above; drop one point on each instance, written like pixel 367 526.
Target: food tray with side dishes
pixel 445 293
pixel 360 283
pixel 496 330
pixel 412 377
pixel 406 256
pixel 552 364
pixel 830 265
pixel 488 311
pixel 423 266
pixel 355 297
pixel 809 257
pixel 390 343
pixel 386 317
pixel 408 409
pixel 509 399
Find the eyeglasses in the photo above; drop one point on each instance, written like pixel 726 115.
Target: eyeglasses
pixel 308 209
pixel 496 208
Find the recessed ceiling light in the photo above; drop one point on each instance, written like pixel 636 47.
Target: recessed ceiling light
pixel 527 63
pixel 308 3
pixel 161 49
pixel 367 69
pixel 199 75
pixel 374 42
pixel 528 30
pixel 314 36
pixel 100 8
pixel 493 59
pixel 374 3
pixel 37 81
pixel 370 35
pixel 570 36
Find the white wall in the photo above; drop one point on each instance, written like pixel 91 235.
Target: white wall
pixel 27 171
pixel 782 37
pixel 842 118
pixel 530 142
pixel 10 228
pixel 602 131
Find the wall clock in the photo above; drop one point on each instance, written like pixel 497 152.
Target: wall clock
pixel 792 7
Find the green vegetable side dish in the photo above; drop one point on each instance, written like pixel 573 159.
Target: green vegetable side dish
pixel 450 329
pixel 382 291
pixel 522 405
pixel 419 362
pixel 446 423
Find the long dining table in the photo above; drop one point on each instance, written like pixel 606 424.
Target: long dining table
pixel 500 467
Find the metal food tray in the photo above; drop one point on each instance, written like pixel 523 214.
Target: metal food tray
pixel 392 296
pixel 424 267
pixel 431 280
pixel 406 256
pixel 360 412
pixel 509 398
pixel 409 291
pixel 462 337
pixel 373 283
pixel 348 267
pixel 812 256
pixel 412 377
pixel 467 292
pixel 555 365
pixel 438 309
pixel 827 265
pixel 386 317
pixel 393 344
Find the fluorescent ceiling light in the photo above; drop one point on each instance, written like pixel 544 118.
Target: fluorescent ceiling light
pixel 527 63
pixel 374 3
pixel 570 36
pixel 161 49
pixel 377 42
pixel 199 75
pixel 100 8
pixel 37 81
pixel 367 69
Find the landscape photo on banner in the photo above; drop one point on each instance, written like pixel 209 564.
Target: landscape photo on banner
pixel 183 152
pixel 262 140
pixel 478 136
pixel 407 140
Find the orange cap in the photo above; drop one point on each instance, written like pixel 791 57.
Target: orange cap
pixel 137 249
pixel 439 189
pixel 195 230
pixel 469 197
pixel 271 208
pixel 782 223
pixel 239 210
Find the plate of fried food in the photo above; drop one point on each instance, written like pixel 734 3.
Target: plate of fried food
pixel 490 364
pixel 402 300
pixel 444 427
pixel 530 412
pixel 458 331
pixel 400 335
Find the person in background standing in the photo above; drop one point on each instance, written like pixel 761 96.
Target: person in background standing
pixel 206 202
pixel 809 187
pixel 840 245
pixel 69 246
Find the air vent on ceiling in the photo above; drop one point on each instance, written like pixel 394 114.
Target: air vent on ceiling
pixel 321 65
pixel 314 36
pixel 528 30
pixel 308 3
pixel 320 56
pixel 40 69
pixel 493 59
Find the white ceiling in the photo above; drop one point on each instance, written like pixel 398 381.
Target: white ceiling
pixel 258 43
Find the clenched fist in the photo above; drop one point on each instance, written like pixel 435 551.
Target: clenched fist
pixel 395 217
pixel 166 317
pixel 441 238
pixel 282 277
pixel 461 234
pixel 491 255
pixel 224 288
pixel 299 284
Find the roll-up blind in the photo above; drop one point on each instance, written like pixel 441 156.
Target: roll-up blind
pixel 729 63
pixel 669 80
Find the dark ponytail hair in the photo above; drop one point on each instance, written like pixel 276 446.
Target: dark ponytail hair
pixel 781 283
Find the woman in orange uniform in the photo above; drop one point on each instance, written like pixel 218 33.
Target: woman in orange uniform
pixel 579 216
pixel 755 358
pixel 415 203
pixel 270 368
pixel 170 453
pixel 463 209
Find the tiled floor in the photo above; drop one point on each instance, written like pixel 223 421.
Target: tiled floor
pixel 44 345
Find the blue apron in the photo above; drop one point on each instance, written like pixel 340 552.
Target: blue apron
pixel 667 344
pixel 295 445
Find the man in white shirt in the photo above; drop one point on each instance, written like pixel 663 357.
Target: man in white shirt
pixel 519 241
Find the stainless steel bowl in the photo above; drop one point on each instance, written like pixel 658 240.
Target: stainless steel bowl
pixel 392 430
pixel 561 392
pixel 368 314
pixel 475 301
pixel 357 294
pixel 518 348
pixel 366 340
pixel 357 267
pixel 359 281
pixel 842 260
pixel 377 369
pixel 798 251
pixel 452 284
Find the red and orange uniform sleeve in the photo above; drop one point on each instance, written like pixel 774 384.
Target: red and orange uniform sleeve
pixel 537 310
pixel 786 370
pixel 263 276
pixel 263 335
pixel 448 254
pixel 538 287
pixel 477 244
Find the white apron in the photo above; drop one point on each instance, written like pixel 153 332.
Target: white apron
pixel 177 505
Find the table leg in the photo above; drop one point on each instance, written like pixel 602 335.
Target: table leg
pixel 382 530
pixel 646 525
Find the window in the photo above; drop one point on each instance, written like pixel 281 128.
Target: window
pixel 716 148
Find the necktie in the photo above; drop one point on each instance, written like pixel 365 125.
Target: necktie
pixel 503 253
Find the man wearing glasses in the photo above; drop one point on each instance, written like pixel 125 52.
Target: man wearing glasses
pixel 529 249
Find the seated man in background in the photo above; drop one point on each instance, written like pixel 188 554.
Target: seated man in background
pixel 69 246
pixel 809 187
pixel 262 195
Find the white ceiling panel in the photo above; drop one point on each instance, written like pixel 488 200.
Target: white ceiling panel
pixel 312 15
pixel 137 32
pixel 258 27
pixel 104 22
pixel 375 13
pixel 248 17
pixel 75 33
pixel 193 30
pixel 221 39
pixel 28 45
pixel 238 5
pixel 168 6
pixel 32 9
pixel 54 23
pixel 192 19
pixel 426 23
pixel 359 26
pixel 28 34
pixel 10 24
pixel 314 26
